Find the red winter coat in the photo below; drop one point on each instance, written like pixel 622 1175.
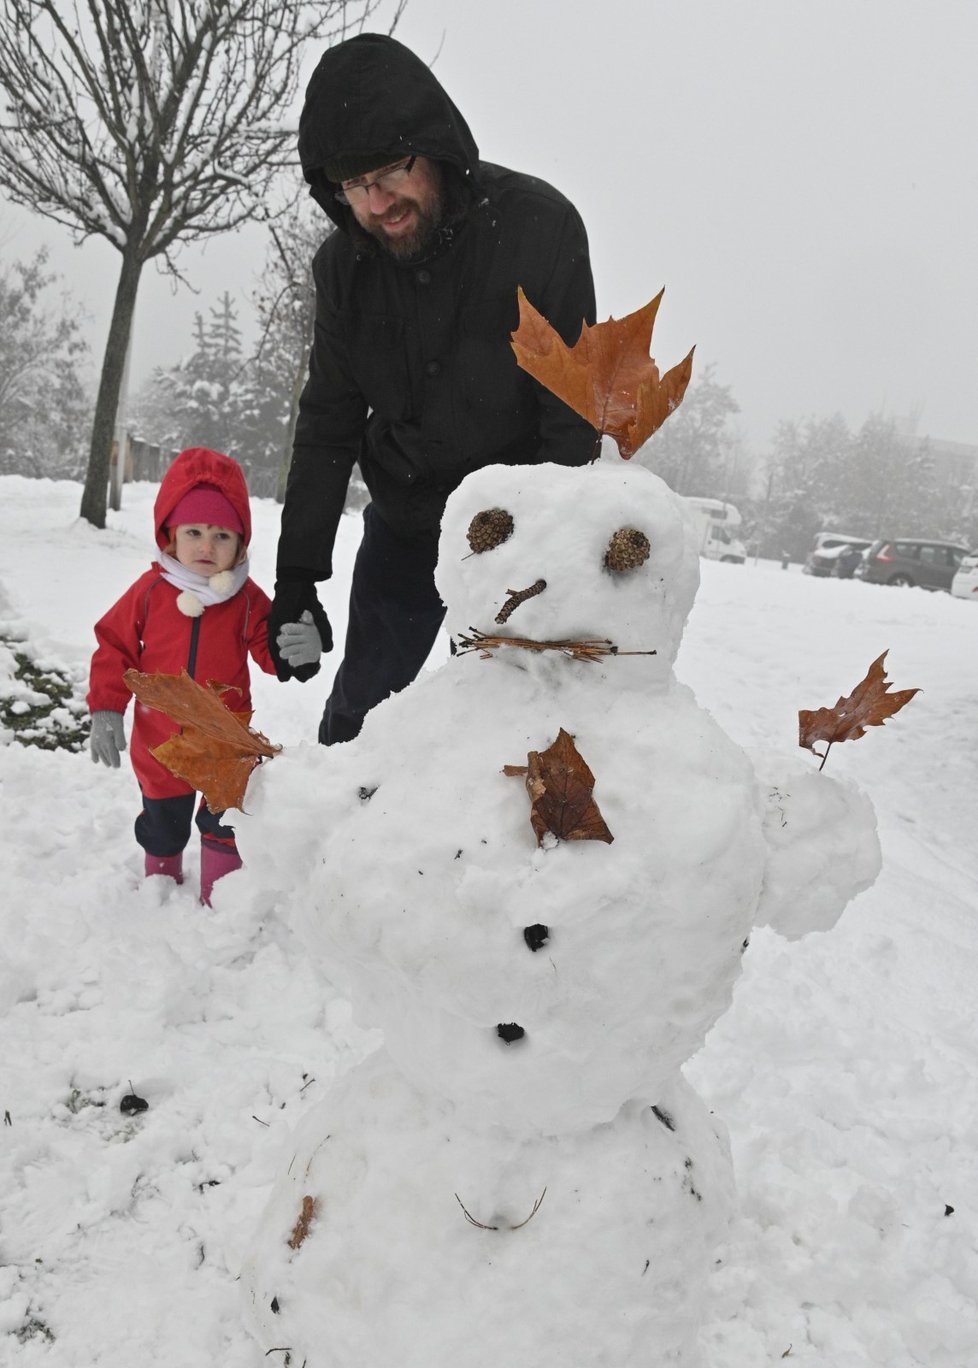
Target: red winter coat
pixel 147 631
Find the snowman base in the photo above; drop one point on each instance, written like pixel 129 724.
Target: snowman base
pixel 403 1234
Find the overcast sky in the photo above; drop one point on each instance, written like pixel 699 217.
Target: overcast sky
pixel 801 176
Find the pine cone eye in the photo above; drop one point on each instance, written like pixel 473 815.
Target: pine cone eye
pixel 489 529
pixel 627 549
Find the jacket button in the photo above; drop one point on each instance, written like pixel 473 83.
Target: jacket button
pixel 423 277
pixel 432 368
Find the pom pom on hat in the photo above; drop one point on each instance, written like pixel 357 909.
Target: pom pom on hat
pixel 206 504
pixel 347 166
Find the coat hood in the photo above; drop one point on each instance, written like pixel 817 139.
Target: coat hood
pixel 201 466
pixel 373 94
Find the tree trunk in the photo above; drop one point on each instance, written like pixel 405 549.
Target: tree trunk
pixel 94 495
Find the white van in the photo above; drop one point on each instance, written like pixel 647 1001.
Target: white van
pixel 717 523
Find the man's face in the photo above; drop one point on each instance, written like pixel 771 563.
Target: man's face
pixel 403 220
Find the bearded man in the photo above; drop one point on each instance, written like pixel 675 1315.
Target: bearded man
pixel 411 372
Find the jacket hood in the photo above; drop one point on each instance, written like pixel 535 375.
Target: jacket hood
pixel 373 94
pixel 201 466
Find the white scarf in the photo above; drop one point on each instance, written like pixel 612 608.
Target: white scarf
pixel 201 591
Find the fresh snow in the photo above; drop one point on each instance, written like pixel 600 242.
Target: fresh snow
pixel 845 1069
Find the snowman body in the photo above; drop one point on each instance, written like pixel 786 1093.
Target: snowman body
pixel 538 994
pixel 476 1246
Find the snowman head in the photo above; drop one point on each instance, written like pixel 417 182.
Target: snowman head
pixel 544 554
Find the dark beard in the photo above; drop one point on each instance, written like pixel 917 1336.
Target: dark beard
pixel 418 244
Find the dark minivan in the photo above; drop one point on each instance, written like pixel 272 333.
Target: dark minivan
pixel 911 560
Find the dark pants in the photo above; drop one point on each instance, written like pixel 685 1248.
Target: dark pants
pixel 163 826
pixel 395 614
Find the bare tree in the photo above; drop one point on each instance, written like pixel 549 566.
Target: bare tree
pixel 286 308
pixel 151 123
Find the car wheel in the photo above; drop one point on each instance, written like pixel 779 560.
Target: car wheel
pixel 901 579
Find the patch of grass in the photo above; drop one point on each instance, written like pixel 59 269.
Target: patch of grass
pixel 34 1329
pixel 40 706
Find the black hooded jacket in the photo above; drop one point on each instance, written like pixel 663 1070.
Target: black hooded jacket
pixel 412 372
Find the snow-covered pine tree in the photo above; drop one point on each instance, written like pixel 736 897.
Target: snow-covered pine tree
pixel 695 452
pixel 44 405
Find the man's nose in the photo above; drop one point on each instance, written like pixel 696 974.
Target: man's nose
pixel 384 197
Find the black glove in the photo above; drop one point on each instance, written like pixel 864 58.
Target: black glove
pixel 293 597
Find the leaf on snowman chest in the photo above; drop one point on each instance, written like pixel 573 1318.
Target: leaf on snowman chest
pixel 561 789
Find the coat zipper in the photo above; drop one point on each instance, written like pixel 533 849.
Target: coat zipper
pixel 194 637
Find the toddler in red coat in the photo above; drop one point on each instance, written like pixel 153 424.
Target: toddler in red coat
pixel 195 609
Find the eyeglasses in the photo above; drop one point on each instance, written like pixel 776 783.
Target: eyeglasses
pixel 387 180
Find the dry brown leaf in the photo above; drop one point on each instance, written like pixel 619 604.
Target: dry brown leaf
pixel 216 750
pixel 310 1210
pixel 869 705
pixel 561 786
pixel 608 376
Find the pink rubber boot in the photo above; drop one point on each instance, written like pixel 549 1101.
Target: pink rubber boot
pixel 170 865
pixel 215 862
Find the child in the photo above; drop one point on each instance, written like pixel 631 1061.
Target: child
pixel 194 610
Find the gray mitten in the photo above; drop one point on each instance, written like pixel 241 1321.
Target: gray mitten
pixel 299 643
pixel 107 737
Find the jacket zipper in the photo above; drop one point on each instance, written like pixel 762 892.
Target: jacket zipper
pixel 194 637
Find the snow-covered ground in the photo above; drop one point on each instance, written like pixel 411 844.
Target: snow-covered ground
pixel 846 1070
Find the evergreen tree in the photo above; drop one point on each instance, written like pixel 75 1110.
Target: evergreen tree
pixel 694 451
pixel 217 397
pixel 805 472
pixel 892 488
pixel 197 402
pixel 44 406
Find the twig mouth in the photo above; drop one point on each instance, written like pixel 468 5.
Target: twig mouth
pixel 591 650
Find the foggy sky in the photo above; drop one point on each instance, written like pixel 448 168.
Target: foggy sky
pixel 800 177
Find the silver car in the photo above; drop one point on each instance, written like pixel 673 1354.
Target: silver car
pixel 912 560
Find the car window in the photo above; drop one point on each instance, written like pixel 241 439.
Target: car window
pixel 933 555
pixel 909 549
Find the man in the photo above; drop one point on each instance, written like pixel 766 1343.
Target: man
pixel 411 372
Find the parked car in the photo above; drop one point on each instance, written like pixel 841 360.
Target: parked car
pixel 829 547
pixel 912 560
pixel 965 582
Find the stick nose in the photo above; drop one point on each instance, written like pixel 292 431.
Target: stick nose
pixel 518 596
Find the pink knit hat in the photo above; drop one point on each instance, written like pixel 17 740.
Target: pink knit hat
pixel 205 504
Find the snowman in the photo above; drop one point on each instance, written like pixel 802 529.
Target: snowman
pixel 536 871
